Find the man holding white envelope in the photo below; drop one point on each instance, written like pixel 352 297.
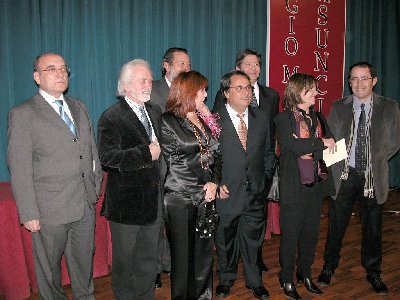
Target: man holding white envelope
pixel 370 125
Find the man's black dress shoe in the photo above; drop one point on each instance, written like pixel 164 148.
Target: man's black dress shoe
pixel 158 282
pixel 167 272
pixel 310 286
pixel 290 291
pixel 378 285
pixel 324 278
pixel 222 291
pixel 260 292
pixel 261 266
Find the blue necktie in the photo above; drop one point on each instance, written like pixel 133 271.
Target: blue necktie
pixel 65 117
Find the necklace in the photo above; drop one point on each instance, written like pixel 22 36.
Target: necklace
pixel 204 150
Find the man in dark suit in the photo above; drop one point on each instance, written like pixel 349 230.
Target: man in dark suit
pixel 248 157
pixel 175 61
pixel 56 179
pixel 264 97
pixel 127 136
pixel 370 124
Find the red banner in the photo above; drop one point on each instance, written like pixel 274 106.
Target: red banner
pixel 307 36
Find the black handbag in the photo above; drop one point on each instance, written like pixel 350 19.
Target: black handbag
pixel 207 220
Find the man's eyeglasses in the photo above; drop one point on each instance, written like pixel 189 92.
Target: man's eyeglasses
pixel 53 70
pixel 241 88
pixel 357 79
pixel 248 65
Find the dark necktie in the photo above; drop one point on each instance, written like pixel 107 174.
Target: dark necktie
pixel 242 131
pixel 253 102
pixel 145 121
pixel 65 116
pixel 361 141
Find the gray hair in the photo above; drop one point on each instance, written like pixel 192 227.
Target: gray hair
pixel 126 74
pixel 36 61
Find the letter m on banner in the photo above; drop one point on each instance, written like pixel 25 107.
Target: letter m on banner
pixel 307 37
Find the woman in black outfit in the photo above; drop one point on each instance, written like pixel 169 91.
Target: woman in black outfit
pixel 303 134
pixel 190 148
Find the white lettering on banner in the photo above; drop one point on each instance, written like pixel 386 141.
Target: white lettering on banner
pixel 319 60
pixel 307 37
pixel 290 41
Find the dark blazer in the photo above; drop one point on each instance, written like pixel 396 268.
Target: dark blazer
pixel 159 93
pixel 133 181
pixel 243 169
pixel 385 138
pixel 53 172
pixel 290 149
pixel 268 103
pixel 181 151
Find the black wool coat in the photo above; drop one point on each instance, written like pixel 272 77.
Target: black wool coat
pixel 291 148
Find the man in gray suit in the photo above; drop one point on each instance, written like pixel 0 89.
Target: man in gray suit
pixel 175 61
pixel 56 179
pixel 370 124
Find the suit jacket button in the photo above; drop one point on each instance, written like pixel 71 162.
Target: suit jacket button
pixel 80 156
pixel 74 139
pixel 83 174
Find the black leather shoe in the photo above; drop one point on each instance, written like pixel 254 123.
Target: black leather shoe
pixel 324 278
pixel 167 272
pixel 260 292
pixel 378 285
pixel 310 286
pixel 222 291
pixel 290 291
pixel 261 266
pixel 158 282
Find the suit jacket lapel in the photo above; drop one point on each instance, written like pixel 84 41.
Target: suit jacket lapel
pixel 229 128
pixel 376 120
pixel 75 112
pixel 47 112
pixel 252 128
pixel 131 118
pixel 153 119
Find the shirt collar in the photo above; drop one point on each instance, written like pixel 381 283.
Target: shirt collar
pixel 233 112
pixel 357 103
pixel 49 98
pixel 168 82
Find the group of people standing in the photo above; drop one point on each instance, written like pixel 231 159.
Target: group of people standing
pixel 167 156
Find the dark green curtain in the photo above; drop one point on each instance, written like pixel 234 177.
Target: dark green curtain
pixel 373 35
pixel 97 36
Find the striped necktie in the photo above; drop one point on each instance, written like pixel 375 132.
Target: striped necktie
pixel 253 102
pixel 65 116
pixel 242 131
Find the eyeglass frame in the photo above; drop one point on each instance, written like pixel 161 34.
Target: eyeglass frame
pixel 240 88
pixel 358 79
pixel 53 70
